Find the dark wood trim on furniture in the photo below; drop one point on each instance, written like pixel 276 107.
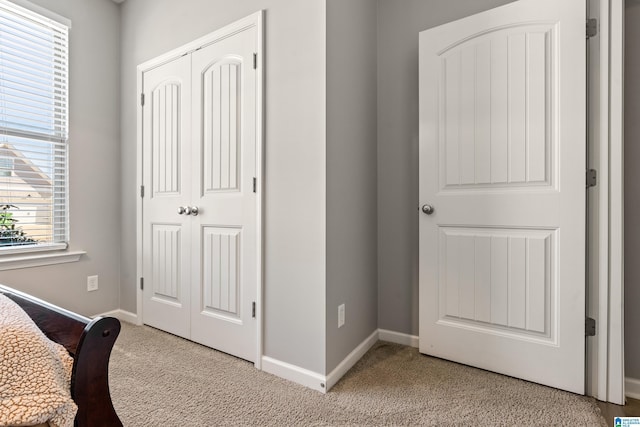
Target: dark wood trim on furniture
pixel 89 342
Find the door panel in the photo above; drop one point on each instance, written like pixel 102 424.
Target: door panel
pixel 166 170
pixel 496 107
pixel 166 242
pixel 224 245
pixel 502 160
pixel 220 274
pixel 498 280
pixel 221 103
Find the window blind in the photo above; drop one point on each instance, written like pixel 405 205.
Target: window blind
pixel 33 129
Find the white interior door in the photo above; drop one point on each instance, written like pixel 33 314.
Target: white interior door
pixel 167 178
pixel 201 208
pixel 224 265
pixel 502 164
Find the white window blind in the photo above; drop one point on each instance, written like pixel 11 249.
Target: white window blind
pixel 33 130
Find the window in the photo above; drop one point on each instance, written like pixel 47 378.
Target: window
pixel 33 129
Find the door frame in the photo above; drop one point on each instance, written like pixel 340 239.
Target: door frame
pixel 605 351
pixel 254 20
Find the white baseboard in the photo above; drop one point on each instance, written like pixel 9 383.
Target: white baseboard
pixel 123 315
pixel 398 338
pixel 351 360
pixel 632 388
pixel 322 383
pixel 294 373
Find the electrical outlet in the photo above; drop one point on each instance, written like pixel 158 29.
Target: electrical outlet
pixel 340 315
pixel 92 283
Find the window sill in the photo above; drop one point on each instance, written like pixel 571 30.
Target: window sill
pixel 12 262
pixel 31 249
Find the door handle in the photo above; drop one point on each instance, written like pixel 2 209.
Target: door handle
pixel 427 209
pixel 188 210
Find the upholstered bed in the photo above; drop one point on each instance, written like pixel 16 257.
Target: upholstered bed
pixel 56 359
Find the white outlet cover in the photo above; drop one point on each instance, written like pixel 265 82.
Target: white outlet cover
pixel 341 315
pixel 92 283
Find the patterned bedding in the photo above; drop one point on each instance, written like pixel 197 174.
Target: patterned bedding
pixel 35 373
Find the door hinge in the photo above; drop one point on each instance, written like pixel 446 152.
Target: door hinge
pixel 255 184
pixel 592 27
pixel 142 191
pixel 142 99
pixel 255 61
pixel 590 327
pixel 142 283
pixel 592 178
pixel 253 309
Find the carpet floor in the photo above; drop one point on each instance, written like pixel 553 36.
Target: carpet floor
pixel 158 379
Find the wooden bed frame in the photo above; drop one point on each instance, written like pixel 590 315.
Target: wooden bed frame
pixel 89 342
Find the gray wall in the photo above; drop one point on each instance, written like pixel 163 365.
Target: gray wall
pixel 94 159
pixel 351 175
pixel 295 209
pixel 632 190
pixel 400 21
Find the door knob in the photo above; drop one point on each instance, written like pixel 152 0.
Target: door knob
pixel 427 209
pixel 182 210
pixel 193 210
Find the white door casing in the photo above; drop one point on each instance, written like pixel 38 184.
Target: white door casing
pixel 202 272
pixel 502 161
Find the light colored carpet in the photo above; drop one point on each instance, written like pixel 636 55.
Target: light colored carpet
pixel 158 379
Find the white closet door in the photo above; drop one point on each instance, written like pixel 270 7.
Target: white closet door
pixel 200 213
pixel 167 178
pixel 224 244
pixel 502 164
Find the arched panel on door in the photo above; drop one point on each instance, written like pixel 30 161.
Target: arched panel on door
pixel 222 125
